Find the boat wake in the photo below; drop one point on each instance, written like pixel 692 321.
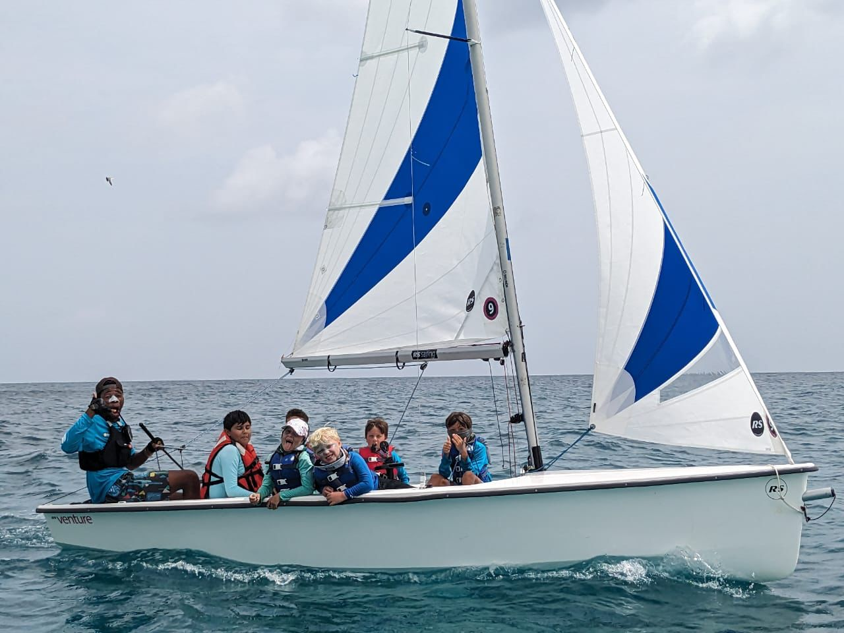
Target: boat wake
pixel 680 569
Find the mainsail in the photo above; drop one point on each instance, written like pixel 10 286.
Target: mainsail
pixel 408 258
pixel 666 368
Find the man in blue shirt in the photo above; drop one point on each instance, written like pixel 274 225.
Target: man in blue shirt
pixel 103 441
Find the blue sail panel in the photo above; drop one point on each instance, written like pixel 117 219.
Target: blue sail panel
pixel 678 327
pixel 444 153
pixel 689 259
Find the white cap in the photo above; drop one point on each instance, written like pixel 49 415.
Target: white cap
pixel 299 426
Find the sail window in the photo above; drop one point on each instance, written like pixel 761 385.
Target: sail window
pixel 717 361
pixel 679 326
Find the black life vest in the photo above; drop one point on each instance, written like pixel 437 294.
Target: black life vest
pixel 284 470
pixel 340 478
pixel 116 452
pixel 457 468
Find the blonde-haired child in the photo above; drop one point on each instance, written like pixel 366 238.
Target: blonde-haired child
pixel 339 472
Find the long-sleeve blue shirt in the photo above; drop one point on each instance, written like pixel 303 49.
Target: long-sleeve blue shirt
pixel 367 480
pixel 400 471
pixel 228 464
pixel 355 469
pixel 477 462
pixel 89 435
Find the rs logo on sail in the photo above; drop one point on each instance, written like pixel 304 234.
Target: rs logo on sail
pixel 757 426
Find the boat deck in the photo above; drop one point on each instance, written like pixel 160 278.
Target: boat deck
pixel 531 483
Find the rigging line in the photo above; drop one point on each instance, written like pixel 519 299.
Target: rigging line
pixel 511 438
pixel 570 446
pixel 422 369
pixel 820 516
pixel 781 497
pixel 497 417
pixel 258 393
pixel 73 493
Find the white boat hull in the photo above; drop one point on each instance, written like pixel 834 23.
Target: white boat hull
pixel 728 517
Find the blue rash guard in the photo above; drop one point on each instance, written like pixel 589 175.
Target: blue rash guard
pixel 90 434
pixel 354 470
pixel 400 471
pixel 229 465
pixel 367 480
pixel 452 465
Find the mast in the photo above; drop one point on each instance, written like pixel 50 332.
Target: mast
pixel 470 13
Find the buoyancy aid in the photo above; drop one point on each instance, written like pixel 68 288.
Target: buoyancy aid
pixel 457 468
pixel 376 461
pixel 116 452
pixel 284 469
pixel 337 478
pixel 253 474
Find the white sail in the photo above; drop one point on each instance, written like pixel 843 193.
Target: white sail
pixel 408 257
pixel 666 368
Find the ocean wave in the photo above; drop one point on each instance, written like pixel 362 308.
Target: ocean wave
pixel 26 533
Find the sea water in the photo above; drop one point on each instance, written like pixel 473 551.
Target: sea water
pixel 44 588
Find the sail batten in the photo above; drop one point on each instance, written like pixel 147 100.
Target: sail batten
pixel 666 369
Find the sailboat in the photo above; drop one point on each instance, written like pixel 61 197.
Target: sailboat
pixel 414 267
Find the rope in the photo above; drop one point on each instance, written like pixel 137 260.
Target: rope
pixel 511 436
pixel 570 446
pixel 66 495
pixel 497 417
pixel 781 497
pixel 258 393
pixel 422 369
pixel 808 518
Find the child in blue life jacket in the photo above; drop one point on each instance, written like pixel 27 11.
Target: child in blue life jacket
pixel 382 458
pixel 465 459
pixel 339 472
pixel 289 470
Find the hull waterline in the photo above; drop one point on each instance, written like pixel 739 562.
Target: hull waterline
pixel 731 518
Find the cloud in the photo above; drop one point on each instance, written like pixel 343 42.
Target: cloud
pixel 262 176
pixel 191 110
pixel 742 20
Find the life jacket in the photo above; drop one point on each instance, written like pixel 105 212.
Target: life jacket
pixel 339 478
pixel 284 470
pixel 116 452
pixel 251 479
pixel 457 468
pixel 376 461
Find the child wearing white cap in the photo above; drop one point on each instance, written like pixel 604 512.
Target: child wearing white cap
pixel 290 469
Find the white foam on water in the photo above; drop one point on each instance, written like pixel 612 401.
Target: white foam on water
pixel 275 577
pixel 633 571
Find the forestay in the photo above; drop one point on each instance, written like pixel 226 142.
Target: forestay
pixel 408 257
pixel 666 368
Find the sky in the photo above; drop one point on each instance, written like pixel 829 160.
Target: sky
pixel 220 125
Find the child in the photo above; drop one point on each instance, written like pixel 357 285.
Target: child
pixel 465 459
pixel 382 458
pixel 233 468
pixel 339 472
pixel 290 470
